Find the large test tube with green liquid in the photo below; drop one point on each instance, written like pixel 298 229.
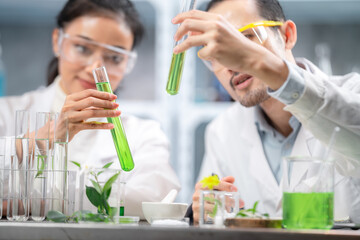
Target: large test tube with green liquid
pixel 177 61
pixel 118 132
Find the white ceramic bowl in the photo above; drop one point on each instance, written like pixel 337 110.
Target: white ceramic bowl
pixel 163 210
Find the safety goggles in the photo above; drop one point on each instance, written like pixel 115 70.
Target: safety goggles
pixel 84 52
pixel 255 32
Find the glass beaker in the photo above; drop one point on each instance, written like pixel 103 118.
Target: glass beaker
pixel 104 184
pixel 177 61
pixel 308 193
pixel 118 132
pixel 216 206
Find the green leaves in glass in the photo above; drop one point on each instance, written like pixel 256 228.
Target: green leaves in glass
pixel 98 197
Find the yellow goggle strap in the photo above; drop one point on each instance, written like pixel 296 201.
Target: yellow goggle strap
pixel 258 24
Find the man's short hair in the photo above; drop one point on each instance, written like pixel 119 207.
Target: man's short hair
pixel 268 9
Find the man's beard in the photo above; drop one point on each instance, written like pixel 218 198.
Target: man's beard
pixel 254 97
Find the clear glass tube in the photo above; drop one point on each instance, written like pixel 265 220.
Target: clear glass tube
pixel 22 123
pixel 2 166
pixel 18 201
pixel 177 61
pixel 41 143
pixel 60 146
pixel 118 132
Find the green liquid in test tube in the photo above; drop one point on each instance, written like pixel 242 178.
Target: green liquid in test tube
pixel 177 61
pixel 118 133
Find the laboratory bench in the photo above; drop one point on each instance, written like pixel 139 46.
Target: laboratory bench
pixel 48 230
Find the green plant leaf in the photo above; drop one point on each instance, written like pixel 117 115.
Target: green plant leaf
pixel 266 215
pixel 107 165
pixel 241 214
pixel 94 197
pixel 77 216
pixel 41 160
pixel 107 207
pixel 76 163
pixel 96 186
pixel 93 217
pixel 110 182
pixel 214 211
pixel 107 194
pixel 255 206
pixel 104 167
pixel 56 216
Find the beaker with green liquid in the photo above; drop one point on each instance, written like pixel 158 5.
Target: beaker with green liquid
pixel 308 193
pixel 177 61
pixel 118 132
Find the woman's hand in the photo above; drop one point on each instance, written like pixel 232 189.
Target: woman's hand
pixel 81 106
pixel 226 184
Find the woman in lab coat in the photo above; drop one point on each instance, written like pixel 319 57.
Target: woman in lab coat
pixel 90 34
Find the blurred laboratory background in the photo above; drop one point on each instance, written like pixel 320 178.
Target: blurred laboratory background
pixel 328 31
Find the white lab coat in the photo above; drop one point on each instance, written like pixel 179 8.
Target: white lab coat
pixel 150 180
pixel 233 146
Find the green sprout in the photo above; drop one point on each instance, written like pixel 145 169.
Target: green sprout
pixel 40 166
pixel 252 212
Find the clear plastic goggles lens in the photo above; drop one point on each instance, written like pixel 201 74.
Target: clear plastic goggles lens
pixel 84 52
pixel 257 35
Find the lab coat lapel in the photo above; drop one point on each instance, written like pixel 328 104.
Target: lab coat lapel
pixel 260 169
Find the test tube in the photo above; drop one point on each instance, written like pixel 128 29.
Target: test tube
pixel 122 198
pixel 22 123
pixel 177 61
pixel 118 132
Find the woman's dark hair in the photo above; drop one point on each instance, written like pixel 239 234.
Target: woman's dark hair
pixel 108 8
pixel 269 9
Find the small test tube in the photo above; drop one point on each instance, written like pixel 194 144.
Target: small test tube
pixel 177 61
pixel 118 132
pixel 122 198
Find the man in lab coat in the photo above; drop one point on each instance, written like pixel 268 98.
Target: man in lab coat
pixel 286 105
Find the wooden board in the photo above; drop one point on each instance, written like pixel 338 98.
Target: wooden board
pixel 252 223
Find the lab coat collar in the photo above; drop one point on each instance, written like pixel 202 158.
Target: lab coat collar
pixel 263 125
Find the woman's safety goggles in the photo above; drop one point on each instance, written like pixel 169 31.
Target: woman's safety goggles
pixel 255 32
pixel 84 52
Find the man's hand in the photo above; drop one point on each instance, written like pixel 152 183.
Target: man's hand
pixel 224 44
pixel 226 184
